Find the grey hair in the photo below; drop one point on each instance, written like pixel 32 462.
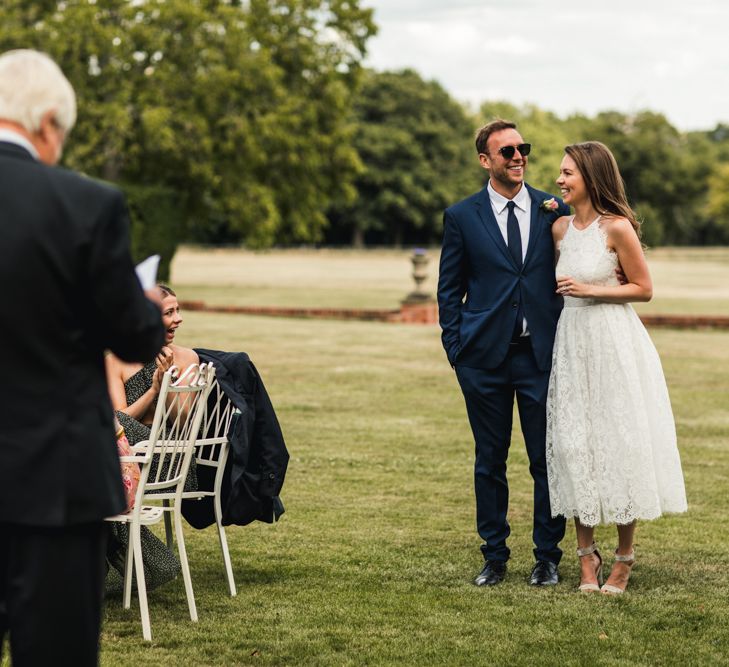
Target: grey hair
pixel 31 84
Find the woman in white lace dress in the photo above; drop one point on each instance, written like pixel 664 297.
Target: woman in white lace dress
pixel 611 440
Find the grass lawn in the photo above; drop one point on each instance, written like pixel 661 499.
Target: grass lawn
pixel 372 563
pixel 686 280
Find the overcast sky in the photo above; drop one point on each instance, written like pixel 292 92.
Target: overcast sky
pixel 566 55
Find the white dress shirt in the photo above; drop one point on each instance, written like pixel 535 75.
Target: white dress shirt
pixel 522 211
pixel 14 138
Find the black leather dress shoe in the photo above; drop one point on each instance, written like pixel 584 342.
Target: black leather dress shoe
pixel 544 573
pixel 493 573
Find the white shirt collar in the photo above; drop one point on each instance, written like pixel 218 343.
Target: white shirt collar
pixel 499 202
pixel 12 137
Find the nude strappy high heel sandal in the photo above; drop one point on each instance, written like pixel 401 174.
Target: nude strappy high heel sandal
pixel 587 551
pixel 629 560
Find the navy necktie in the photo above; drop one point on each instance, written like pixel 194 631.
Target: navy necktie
pixel 513 236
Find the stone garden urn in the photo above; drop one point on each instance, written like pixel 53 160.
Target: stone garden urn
pixel 419 260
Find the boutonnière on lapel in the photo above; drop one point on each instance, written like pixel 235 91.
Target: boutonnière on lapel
pixel 549 205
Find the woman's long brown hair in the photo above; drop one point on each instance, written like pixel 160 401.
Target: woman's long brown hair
pixel 603 181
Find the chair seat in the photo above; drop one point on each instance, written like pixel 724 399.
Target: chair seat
pixel 197 495
pixel 148 515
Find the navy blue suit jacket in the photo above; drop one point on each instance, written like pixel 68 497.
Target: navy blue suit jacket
pixel 475 263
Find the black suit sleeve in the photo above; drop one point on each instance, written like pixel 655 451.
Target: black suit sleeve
pixel 128 323
pixel 451 285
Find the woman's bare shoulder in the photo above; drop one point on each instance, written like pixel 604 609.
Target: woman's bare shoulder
pixel 559 227
pixel 115 367
pixel 617 226
pixel 185 356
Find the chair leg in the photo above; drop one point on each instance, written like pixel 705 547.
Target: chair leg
pixel 168 525
pixel 141 584
pixel 183 562
pixel 224 545
pixel 128 564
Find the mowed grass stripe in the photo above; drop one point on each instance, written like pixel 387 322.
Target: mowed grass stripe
pixel 373 561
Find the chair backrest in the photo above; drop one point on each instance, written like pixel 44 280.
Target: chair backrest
pixel 176 425
pixel 218 414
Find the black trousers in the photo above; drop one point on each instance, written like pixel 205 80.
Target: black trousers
pixel 51 592
pixel 489 398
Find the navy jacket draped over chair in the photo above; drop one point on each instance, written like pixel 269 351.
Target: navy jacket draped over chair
pixel 258 457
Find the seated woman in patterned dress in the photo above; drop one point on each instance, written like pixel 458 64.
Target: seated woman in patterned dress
pixel 134 389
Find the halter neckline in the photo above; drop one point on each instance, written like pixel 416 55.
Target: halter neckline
pixel 584 229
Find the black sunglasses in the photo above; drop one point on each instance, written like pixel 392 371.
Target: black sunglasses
pixel 508 151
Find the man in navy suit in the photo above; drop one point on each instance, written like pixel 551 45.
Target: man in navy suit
pixel 498 254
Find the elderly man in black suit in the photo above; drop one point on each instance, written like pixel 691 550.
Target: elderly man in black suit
pixel 68 293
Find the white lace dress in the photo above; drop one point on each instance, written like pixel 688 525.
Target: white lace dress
pixel 611 438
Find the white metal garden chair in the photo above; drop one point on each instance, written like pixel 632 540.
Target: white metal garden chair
pixel 211 451
pixel 170 448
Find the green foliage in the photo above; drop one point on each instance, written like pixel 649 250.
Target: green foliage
pixel 411 138
pixel 240 108
pixel 157 223
pixel 718 138
pixel 717 205
pixel 257 115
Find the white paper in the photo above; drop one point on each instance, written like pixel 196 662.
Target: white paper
pixel 147 272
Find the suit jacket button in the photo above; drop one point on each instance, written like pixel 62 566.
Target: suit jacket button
pixel 514 305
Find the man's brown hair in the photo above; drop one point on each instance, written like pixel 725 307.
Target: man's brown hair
pixel 482 136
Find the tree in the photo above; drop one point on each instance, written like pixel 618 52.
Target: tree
pixel 415 144
pixel 717 203
pixel 232 111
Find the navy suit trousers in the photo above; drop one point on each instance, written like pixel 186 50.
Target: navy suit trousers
pixel 489 396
